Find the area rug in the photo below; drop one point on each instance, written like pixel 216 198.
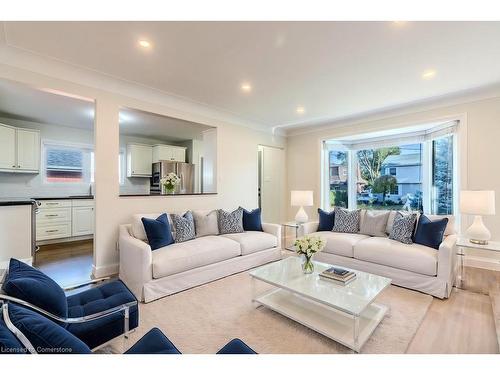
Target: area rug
pixel 203 319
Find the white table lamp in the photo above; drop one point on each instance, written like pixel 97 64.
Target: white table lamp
pixel 301 198
pixel 477 203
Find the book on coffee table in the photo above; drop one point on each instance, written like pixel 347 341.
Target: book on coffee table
pixel 337 281
pixel 340 275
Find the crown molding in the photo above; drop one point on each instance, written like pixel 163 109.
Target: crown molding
pixel 447 100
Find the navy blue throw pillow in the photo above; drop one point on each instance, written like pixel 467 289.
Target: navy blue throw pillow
pixel 158 231
pixel 9 344
pixel 430 233
pixel 44 335
pixel 33 286
pixel 326 220
pixel 252 220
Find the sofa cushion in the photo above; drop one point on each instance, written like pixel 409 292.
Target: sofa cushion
pixel 340 243
pixel 9 344
pixel 253 241
pixel 205 223
pixel 33 286
pixel 183 227
pixel 387 252
pixel 392 215
pixel 158 231
pixel 138 227
pixel 373 223
pixel 252 220
pixel 153 342
pixel 326 220
pixel 44 335
pixel 188 255
pixel 236 346
pixel 346 221
pixel 230 222
pixel 98 299
pixel 450 227
pixel 403 228
pixel 430 232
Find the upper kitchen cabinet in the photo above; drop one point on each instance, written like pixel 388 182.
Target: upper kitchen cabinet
pixel 19 150
pixel 139 160
pixel 167 152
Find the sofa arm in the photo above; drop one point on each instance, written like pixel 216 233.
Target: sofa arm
pixel 447 254
pixel 135 261
pixel 308 228
pixel 275 230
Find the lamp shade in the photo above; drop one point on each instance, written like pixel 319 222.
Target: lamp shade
pixel 477 202
pixel 301 198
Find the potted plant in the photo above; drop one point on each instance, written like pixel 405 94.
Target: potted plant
pixel 169 182
pixel 306 247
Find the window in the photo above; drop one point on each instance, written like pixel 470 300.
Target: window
pixel 442 176
pixel 378 188
pixel 66 163
pixel 337 164
pixel 403 172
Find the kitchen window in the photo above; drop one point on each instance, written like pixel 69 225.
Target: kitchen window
pixel 67 163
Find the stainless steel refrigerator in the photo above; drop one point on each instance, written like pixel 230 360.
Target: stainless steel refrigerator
pixel 184 170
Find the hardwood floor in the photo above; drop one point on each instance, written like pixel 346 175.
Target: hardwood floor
pixel 68 263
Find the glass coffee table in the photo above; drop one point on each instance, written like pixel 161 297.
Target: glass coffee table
pixel 346 314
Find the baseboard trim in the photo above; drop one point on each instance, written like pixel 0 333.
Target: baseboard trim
pixel 103 271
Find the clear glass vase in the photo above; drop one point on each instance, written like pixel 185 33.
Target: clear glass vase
pixel 307 265
pixel 167 189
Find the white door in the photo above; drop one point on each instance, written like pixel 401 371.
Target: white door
pixel 271 184
pixel 7 148
pixel 82 221
pixel 28 150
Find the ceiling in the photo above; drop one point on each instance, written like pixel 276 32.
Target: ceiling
pixel 333 70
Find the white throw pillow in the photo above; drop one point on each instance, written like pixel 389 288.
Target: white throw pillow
pixel 206 223
pixel 373 223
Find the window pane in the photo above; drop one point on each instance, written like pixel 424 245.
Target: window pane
pixel 338 178
pixel 390 178
pixel 64 164
pixel 442 176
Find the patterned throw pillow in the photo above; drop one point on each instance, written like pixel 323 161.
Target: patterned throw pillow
pixel 403 227
pixel 230 222
pixel 184 227
pixel 346 221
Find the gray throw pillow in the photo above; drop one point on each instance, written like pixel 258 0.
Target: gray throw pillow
pixel 403 228
pixel 183 227
pixel 206 224
pixel 373 223
pixel 230 222
pixel 346 221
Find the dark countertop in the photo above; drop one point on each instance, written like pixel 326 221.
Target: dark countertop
pixel 164 195
pixel 16 201
pixel 62 198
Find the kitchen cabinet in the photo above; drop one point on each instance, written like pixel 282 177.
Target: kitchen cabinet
pixel 64 218
pixel 168 152
pixel 19 150
pixel 82 219
pixel 139 160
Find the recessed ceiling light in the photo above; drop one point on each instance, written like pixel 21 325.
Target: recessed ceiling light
pixel 144 43
pixel 429 74
pixel 246 87
pixel 300 110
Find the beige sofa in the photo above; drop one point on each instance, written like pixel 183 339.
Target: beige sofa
pixel 154 274
pixel 411 266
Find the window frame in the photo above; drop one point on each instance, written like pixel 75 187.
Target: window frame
pixel 427 169
pixel 84 147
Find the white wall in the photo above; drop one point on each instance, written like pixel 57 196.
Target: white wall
pixel 28 185
pixel 479 147
pixel 236 151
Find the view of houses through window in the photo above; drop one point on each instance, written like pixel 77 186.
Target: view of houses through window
pixel 392 177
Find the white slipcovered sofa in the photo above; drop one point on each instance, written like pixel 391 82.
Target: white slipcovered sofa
pixel 154 274
pixel 412 266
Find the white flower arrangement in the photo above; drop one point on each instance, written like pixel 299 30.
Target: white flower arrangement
pixel 170 180
pixel 308 246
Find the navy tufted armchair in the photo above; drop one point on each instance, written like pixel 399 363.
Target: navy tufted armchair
pixel 95 316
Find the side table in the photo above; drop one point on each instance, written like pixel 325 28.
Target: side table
pixel 285 226
pixel 463 244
